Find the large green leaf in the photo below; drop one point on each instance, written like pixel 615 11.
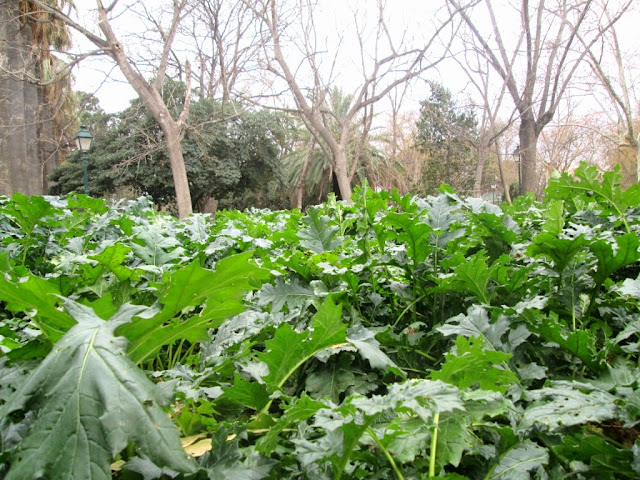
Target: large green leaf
pixel 607 192
pixel 519 461
pixel 36 297
pixel 581 343
pixel 28 212
pixel 473 275
pixel 112 258
pixel 301 409
pixel 90 402
pixel 560 250
pixel 155 248
pixel 609 262
pixel 477 323
pixel 470 363
pixel 568 403
pixel 319 236
pixel 292 294
pixel 289 349
pixel 219 292
pixel 413 233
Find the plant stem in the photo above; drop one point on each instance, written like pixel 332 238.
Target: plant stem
pixel 434 444
pixel 386 454
pixel 407 309
pixel 348 447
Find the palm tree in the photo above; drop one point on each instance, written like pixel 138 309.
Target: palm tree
pixel 36 100
pixel 308 167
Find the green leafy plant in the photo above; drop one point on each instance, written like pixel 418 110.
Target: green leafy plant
pixel 394 337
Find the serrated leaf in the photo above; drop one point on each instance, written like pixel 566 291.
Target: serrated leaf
pixel 581 343
pixel 472 364
pixel 301 409
pixel 560 250
pixel 368 347
pixel 607 193
pixel 473 275
pixel 423 397
pixel 288 349
pixel 330 381
pixel 224 461
pixel 553 221
pixel 319 236
pixel 220 292
pixel 454 437
pixel 155 248
pixel 519 461
pixel 112 258
pixel 411 232
pixel 442 212
pixel 476 323
pixel 29 211
pixel 293 294
pixel 38 298
pixel 91 402
pixel 249 394
pixel 608 262
pixel 564 404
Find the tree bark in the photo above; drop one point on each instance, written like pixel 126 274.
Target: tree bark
pixel 298 193
pixel 528 136
pixel 151 96
pixel 341 172
pixel 23 123
pixel 482 161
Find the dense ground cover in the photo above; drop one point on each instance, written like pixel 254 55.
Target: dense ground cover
pixel 392 338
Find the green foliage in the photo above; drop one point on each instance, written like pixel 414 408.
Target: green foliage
pixel 395 337
pixel 444 131
pixel 234 158
pixel 90 402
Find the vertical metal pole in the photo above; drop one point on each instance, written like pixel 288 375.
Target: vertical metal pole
pixel 519 173
pixel 85 168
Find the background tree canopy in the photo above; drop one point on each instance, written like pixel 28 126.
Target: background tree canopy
pixel 231 154
pixel 443 133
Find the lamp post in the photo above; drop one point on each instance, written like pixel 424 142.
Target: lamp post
pixel 519 163
pixel 83 143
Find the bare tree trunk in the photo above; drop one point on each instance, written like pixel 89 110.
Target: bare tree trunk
pixel 341 172
pixel 178 169
pixel 528 152
pixel 482 161
pixel 298 193
pixel 150 92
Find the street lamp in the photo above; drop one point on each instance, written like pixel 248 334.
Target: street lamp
pixel 516 152
pixel 83 143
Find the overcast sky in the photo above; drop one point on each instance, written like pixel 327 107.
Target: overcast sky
pixel 406 18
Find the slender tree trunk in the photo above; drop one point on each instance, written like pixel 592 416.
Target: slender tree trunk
pixel 528 152
pixel 636 144
pixel 482 161
pixel 178 170
pixel 298 193
pixel 503 179
pixel 342 172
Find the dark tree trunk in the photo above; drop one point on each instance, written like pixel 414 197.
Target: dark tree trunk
pixel 528 152
pixel 20 167
pixel 28 147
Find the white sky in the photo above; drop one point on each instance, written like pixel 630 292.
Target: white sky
pixel 406 18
